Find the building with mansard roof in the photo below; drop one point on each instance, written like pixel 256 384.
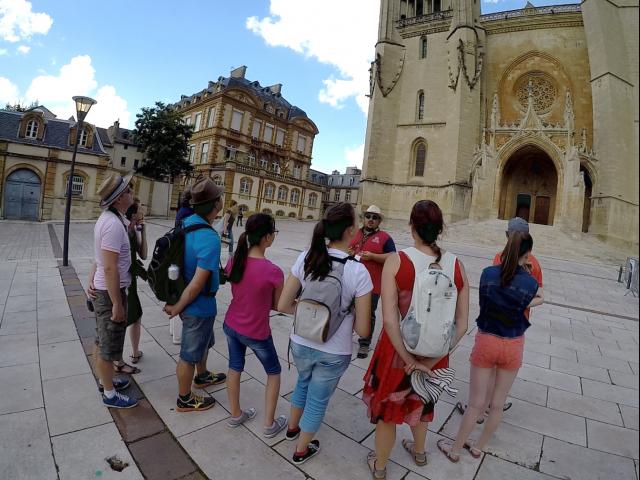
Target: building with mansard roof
pixel 531 112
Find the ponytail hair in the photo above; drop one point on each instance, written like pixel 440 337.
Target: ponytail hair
pixel 519 244
pixel 339 217
pixel 426 219
pixel 257 227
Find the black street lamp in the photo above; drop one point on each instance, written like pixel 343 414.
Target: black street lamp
pixel 83 105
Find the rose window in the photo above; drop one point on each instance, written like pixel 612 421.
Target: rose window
pixel 543 90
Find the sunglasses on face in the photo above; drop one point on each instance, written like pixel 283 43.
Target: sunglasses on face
pixel 372 216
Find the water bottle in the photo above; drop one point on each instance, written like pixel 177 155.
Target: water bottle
pixel 174 272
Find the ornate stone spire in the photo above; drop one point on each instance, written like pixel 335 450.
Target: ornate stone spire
pixel 531 120
pixel 495 112
pixel 568 112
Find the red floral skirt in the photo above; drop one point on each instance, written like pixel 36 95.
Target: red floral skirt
pixel 387 390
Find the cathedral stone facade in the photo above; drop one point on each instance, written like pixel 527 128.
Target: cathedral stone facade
pixel 531 112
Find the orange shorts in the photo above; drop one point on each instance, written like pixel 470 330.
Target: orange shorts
pixel 492 351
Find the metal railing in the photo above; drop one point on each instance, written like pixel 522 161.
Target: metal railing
pixel 629 274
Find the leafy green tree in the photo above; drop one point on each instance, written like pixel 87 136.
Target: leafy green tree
pixel 163 136
pixel 18 107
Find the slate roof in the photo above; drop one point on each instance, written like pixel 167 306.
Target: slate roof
pixel 56 133
pixel 124 135
pixel 104 137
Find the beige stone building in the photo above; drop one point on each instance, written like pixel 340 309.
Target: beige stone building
pixel 35 160
pixel 532 112
pixel 118 142
pixel 250 140
pixel 344 187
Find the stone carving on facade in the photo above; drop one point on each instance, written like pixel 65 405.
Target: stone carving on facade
pixel 466 51
pixel 543 89
pixel 388 67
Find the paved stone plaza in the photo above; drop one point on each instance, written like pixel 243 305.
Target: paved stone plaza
pixel 575 403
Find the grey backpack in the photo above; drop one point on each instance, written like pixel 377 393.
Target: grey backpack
pixel 319 311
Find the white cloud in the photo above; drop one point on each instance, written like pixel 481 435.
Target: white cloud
pixel 354 156
pixel 78 78
pixel 24 49
pixel 9 92
pixel 19 22
pixel 3 51
pixel 337 33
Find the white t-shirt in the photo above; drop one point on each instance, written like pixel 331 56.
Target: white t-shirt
pixel 111 234
pixel 356 282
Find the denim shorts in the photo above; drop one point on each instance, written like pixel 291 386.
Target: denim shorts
pixel 197 337
pixel 109 334
pixel 264 350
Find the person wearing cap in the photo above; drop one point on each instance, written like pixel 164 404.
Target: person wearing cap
pixel 197 305
pixel 515 224
pixel 373 246
pixel 184 207
pixel 111 280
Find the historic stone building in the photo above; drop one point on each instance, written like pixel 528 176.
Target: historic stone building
pixel 252 141
pixel 531 112
pixel 344 187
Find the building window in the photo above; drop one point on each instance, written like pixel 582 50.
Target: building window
pixel 197 122
pixel 420 105
pixel 192 153
pixel 245 186
pixel 230 153
pixel 336 195
pixel 313 200
pixel 255 131
pixel 236 120
pixel 280 137
pixel 77 186
pixel 212 117
pixel 218 181
pixel 136 164
pixel 276 166
pixel 123 161
pixel 187 120
pixel 347 195
pixel 126 147
pixel 279 213
pixel 351 180
pixel 283 193
pixel 421 156
pixel 268 133
pixel 263 163
pixel 84 136
pixel 423 47
pixel 437 5
pixel 251 159
pixel 295 196
pixel 297 171
pixel 302 144
pixel 204 152
pixel 32 129
pixel 269 190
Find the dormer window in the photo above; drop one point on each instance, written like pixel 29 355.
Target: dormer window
pixel 32 129
pixel 84 136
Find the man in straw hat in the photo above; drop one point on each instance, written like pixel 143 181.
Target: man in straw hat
pixel 373 246
pixel 197 304
pixel 112 277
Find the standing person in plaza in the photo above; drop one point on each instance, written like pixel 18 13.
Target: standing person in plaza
pixel 240 217
pixel 227 226
pixel 374 246
pixel 184 209
pixel 532 266
pixel 506 291
pixel 387 392
pixel 256 285
pixel 320 365
pixel 197 305
pixel 112 277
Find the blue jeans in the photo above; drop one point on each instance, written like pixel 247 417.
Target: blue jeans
pixel 197 338
pixel 265 350
pixel 318 377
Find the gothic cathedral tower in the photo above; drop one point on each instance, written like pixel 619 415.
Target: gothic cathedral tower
pixel 425 110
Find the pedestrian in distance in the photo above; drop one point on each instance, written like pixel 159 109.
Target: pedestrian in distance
pixel 506 291
pixel 326 273
pixel 256 285
pixel 240 217
pixel 388 390
pixel 197 304
pixel 372 246
pixel 227 227
pixel 112 278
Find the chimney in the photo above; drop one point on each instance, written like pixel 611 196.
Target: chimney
pixel 275 89
pixel 239 72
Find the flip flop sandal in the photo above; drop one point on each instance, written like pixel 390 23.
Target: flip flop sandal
pixel 375 473
pixel 136 358
pixel 420 459
pixel 473 451
pixel 121 369
pixel 507 406
pixel 462 408
pixel 452 457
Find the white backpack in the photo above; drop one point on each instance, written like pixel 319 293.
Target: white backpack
pixel 429 325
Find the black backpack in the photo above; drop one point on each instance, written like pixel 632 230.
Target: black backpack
pixel 169 250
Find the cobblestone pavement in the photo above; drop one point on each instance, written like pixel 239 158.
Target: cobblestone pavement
pixel 575 403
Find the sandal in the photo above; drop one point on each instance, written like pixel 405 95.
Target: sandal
pixel 375 473
pixel 121 368
pixel 473 451
pixel 136 358
pixel 452 457
pixel 461 407
pixel 420 459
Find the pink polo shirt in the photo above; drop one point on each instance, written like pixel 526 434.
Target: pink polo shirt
pixel 110 234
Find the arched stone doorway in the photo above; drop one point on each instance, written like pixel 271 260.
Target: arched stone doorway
pixel 529 186
pixel 22 195
pixel 588 191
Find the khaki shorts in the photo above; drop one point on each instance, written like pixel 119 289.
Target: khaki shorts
pixel 109 335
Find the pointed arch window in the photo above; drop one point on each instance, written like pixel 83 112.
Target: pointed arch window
pixel 420 159
pixel 420 114
pixel 423 47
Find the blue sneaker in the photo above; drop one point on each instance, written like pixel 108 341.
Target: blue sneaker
pixel 120 401
pixel 118 384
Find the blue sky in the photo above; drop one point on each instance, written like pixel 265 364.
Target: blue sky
pixel 129 54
